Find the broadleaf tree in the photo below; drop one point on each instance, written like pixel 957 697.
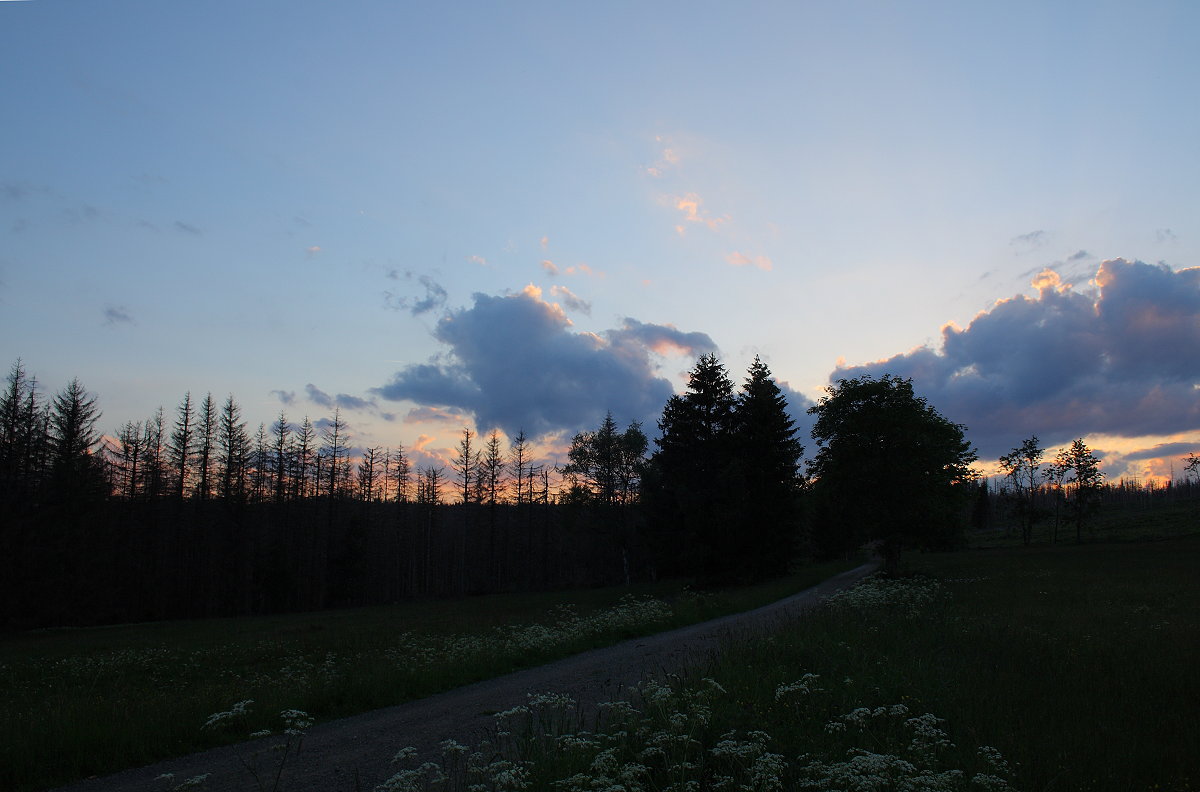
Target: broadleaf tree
pixel 889 468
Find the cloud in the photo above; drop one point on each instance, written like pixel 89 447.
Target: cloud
pixel 1163 450
pixel 668 157
pixel 435 295
pixel 570 300
pixel 187 228
pixel 514 362
pixel 433 415
pixel 1079 255
pixel 1028 242
pixel 312 251
pixel 115 315
pixel 342 400
pixel 318 396
pixel 1123 362
pixel 553 270
pixel 1165 235
pixel 689 204
pixel 545 242
pixel 742 260
pixel 285 397
pixel 480 260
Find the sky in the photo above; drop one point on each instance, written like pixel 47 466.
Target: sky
pixel 522 215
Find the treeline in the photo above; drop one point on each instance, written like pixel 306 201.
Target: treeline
pixel 193 514
pixel 1067 492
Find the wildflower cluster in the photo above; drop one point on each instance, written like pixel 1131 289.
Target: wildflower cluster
pixel 906 752
pixel 904 595
pixel 235 714
pixel 667 739
pixel 565 627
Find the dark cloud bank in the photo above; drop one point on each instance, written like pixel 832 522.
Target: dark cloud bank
pixel 1121 360
pixel 1124 361
pixel 515 363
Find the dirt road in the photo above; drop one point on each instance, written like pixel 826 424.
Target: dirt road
pixel 354 753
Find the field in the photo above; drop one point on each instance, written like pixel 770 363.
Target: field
pixel 82 702
pixel 1066 667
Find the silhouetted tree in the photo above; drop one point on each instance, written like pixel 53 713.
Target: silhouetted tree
pixel 604 465
pixel 889 467
pixel 401 472
pixel 179 449
pixel 281 432
pixel 335 451
pixel 303 450
pixel 765 471
pixel 368 474
pixel 24 436
pixel 233 450
pixel 1083 478
pixel 518 463
pixel 465 465
pixel 206 445
pixel 261 463
pixel 75 471
pixel 155 466
pixel 129 457
pixel 690 497
pixel 1021 467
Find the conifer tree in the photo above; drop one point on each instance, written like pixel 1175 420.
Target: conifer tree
pixel 183 437
pixel 281 432
pixel 206 447
pixel 233 450
pixel 75 473
pixel 766 471
pixel 691 502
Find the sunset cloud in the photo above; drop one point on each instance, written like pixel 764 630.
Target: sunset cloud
pixel 515 363
pixel 690 206
pixel 571 301
pixel 1124 361
pixel 433 415
pixel 742 260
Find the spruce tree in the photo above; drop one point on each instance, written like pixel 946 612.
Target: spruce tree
pixel 765 468
pixel 690 501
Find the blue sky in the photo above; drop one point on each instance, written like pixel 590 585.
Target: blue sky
pixel 525 214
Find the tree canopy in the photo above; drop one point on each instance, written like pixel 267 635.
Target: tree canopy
pixel 889 467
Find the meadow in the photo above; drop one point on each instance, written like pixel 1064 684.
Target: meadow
pixel 81 702
pixel 1064 668
pixel 1044 668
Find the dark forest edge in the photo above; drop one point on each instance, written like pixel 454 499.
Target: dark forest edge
pixel 195 516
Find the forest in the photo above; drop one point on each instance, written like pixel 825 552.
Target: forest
pixel 193 514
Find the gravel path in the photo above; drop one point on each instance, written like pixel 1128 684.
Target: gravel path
pixel 354 753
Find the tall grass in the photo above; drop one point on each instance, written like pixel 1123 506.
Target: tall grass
pixel 1051 669
pixel 92 701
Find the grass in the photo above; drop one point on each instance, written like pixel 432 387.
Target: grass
pixel 84 702
pixel 1112 522
pixel 1048 668
pixel 1044 669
